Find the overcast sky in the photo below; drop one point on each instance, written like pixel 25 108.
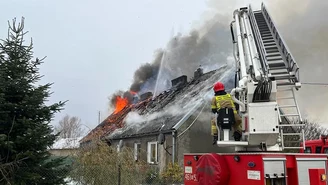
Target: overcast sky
pixel 94 47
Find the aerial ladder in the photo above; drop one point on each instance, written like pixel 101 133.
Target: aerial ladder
pixel 267 77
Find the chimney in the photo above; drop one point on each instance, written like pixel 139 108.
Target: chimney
pixel 146 95
pixel 180 81
pixel 198 73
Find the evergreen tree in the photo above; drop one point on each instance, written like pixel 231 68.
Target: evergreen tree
pixel 25 130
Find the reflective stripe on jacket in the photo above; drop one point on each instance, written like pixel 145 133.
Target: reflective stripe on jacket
pixel 223 101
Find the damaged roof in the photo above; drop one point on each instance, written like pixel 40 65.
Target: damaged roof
pixel 162 112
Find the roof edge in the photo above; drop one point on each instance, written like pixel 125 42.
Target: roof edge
pixel 140 135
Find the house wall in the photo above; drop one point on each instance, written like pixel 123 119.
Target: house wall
pixel 63 152
pixel 197 139
pixel 164 156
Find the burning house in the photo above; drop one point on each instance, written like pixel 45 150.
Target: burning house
pixel 175 122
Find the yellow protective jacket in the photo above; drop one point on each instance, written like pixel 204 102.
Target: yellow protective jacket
pixel 225 100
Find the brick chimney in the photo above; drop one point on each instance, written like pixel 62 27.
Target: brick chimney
pixel 145 96
pixel 198 73
pixel 180 81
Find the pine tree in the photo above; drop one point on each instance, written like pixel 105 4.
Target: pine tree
pixel 25 130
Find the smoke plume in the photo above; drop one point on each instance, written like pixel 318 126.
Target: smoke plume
pixel 301 23
pixel 305 31
pixel 208 46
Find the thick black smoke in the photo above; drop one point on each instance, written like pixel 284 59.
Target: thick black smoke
pixel 146 71
pixel 209 46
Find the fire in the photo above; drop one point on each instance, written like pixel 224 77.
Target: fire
pixel 120 104
pixel 133 93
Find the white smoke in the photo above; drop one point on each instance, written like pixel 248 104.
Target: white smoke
pixel 183 104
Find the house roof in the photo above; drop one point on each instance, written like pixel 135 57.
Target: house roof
pixel 164 111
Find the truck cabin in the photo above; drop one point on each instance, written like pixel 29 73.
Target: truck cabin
pixel 316 146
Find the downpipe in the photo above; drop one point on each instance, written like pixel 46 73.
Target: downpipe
pixel 174 137
pixel 233 96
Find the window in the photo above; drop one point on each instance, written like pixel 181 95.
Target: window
pixel 318 149
pixel 307 150
pixel 152 153
pixel 137 151
pixel 325 150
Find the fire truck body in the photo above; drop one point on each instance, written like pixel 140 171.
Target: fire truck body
pixel 265 69
pixel 255 169
pixel 316 146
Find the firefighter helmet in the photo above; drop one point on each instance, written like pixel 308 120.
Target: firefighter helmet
pixel 218 86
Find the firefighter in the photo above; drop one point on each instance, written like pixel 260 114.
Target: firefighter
pixel 223 99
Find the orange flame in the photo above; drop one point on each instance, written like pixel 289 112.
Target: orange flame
pixel 120 104
pixel 133 93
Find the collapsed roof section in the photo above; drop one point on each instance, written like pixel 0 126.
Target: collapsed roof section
pixel 163 112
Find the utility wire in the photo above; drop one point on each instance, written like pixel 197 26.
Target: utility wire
pixel 192 121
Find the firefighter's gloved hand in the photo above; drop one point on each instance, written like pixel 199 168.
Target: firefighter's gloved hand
pixel 214 111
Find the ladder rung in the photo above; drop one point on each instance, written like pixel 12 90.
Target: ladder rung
pixel 272 50
pixel 294 147
pixel 291 125
pixel 277 68
pixel 267 38
pixel 266 34
pixel 285 115
pixel 278 73
pixel 271 47
pixel 273 54
pixel 292 141
pixel 267 41
pixel 274 58
pixel 292 134
pixel 269 44
pixel 281 90
pixel 286 84
pixel 287 106
pixel 284 98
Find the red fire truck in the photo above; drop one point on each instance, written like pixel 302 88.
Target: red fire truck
pixel 316 146
pixel 265 73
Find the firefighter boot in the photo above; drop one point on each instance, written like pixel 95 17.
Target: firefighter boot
pixel 215 139
pixel 237 135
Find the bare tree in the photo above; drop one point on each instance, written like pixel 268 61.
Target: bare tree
pixel 311 131
pixel 69 127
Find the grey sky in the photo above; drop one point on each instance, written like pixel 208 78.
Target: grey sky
pixel 94 47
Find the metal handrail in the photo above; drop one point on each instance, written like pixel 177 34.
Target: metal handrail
pixel 291 63
pixel 258 40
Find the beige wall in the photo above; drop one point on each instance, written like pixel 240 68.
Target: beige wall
pixel 63 152
pixel 197 139
pixel 163 155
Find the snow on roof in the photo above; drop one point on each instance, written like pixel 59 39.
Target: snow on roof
pixel 66 143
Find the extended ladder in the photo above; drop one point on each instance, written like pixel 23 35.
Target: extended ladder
pixel 281 65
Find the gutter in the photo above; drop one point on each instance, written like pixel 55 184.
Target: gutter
pixel 141 135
